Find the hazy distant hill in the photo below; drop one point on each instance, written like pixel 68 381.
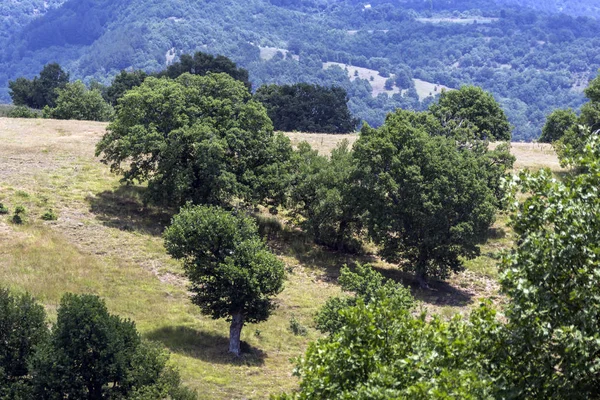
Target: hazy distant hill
pixel 588 8
pixel 533 61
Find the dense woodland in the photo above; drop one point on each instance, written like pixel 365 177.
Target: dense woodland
pixel 533 61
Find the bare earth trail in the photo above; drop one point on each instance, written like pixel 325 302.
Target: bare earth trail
pixel 106 242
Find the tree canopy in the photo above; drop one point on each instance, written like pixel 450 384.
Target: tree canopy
pixel 307 108
pixel 430 201
pixel 196 138
pixel 76 102
pixel 232 274
pixel 472 105
pixel 203 63
pixel 41 90
pixel 88 354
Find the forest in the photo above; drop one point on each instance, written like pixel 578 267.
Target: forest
pixel 531 60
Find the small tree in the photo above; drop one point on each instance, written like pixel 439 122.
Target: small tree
pixel 557 124
pixel 76 102
pixel 232 273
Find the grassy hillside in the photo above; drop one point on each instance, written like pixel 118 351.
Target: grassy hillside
pixel 105 242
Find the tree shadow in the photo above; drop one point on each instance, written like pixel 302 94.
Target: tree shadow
pixel 292 242
pixel 124 209
pixel 206 346
pixel 438 293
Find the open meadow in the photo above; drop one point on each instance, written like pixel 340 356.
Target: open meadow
pixel 107 243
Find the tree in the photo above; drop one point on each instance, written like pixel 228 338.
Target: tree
pixel 203 63
pixel 383 351
pixel 22 329
pixel 552 280
pixel 94 355
pixel 322 197
pixel 307 108
pixel 76 102
pixel 41 91
pixel 557 124
pixel 232 274
pixel 575 138
pixel 197 138
pixel 122 83
pixel 472 105
pixel 430 200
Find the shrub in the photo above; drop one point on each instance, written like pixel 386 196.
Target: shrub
pixel 22 112
pixel 19 215
pixel 296 327
pixel 49 215
pixel 3 209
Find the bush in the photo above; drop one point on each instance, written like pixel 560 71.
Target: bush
pixel 297 328
pixel 49 215
pixel 22 112
pixel 3 209
pixel 19 215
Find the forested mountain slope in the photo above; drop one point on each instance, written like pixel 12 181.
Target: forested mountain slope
pixel 399 53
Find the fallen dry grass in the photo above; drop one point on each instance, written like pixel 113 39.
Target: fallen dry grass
pixel 106 242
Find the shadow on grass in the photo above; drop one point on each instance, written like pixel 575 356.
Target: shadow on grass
pixel 124 209
pixel 209 347
pixel 292 242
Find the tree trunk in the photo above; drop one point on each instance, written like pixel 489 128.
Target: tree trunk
pixel 235 331
pixel 422 279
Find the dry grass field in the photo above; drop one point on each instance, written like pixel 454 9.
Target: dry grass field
pixel 106 242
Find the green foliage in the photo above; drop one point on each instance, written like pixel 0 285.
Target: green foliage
pixel 366 285
pixel 3 209
pixel 122 83
pixel 575 138
pixel 19 216
pixel 197 138
pixel 41 91
pixel 557 124
pixel 322 197
pixel 22 328
pixel 430 199
pixel 231 271
pixel 92 354
pixel 204 63
pixel 49 215
pixel 553 282
pixel 383 351
pixel 307 108
pixel 296 327
pixel 22 112
pixel 472 105
pixel 76 102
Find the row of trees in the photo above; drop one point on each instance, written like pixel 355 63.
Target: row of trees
pixel 88 354
pixel 299 107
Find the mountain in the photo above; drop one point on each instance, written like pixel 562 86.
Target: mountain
pixel 385 53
